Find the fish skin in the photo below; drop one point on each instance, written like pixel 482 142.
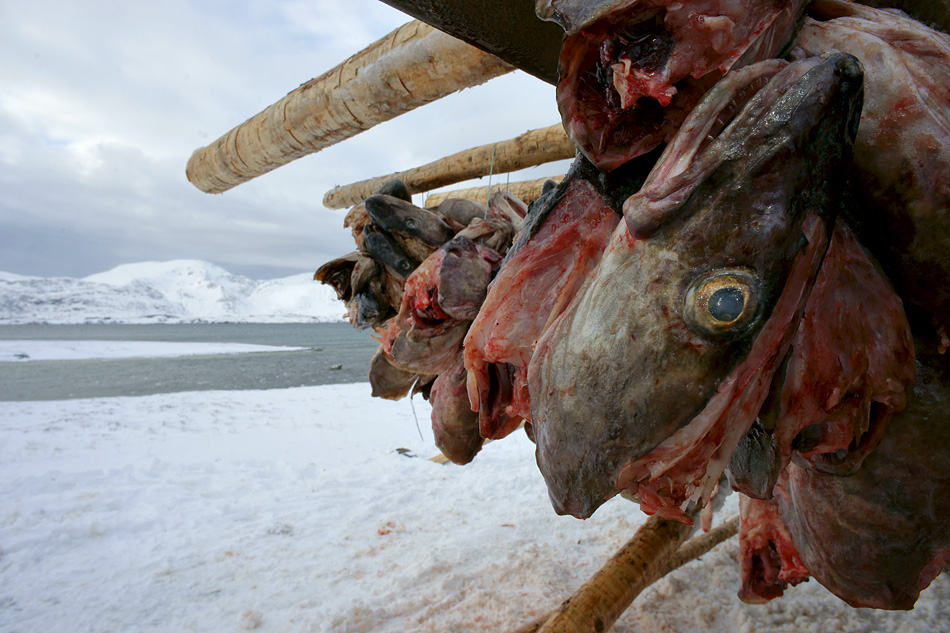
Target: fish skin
pixel 622 369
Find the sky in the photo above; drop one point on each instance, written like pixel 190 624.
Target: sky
pixel 103 102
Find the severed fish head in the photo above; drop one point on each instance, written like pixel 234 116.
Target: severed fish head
pixel 669 349
pixel 631 70
pixel 416 230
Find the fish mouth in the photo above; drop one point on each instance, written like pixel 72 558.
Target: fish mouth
pixel 631 71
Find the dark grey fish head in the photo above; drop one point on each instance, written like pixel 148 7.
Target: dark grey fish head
pixel 386 251
pixel 396 215
pixel 687 283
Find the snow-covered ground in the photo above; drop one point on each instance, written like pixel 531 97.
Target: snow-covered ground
pixel 179 291
pixel 21 351
pixel 316 509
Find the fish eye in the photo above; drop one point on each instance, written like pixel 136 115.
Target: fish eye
pixel 411 223
pixel 723 302
pixel 726 304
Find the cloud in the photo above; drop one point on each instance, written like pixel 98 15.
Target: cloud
pixel 101 104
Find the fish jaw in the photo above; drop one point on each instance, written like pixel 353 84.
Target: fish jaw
pixel 631 71
pixel 626 366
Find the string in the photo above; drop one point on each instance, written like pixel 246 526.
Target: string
pixel 491 170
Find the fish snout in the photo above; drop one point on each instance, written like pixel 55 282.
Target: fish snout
pixel 836 84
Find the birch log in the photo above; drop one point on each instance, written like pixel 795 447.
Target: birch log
pixel 412 66
pixel 534 147
pixel 527 190
pixel 690 551
pixel 600 601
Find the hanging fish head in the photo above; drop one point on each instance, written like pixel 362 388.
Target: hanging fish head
pixel 630 70
pixel 692 304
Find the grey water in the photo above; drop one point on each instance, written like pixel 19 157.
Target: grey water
pixel 334 353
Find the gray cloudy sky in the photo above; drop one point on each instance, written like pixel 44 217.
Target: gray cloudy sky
pixel 102 102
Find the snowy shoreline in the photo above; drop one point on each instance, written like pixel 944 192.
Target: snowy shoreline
pixel 187 511
pixel 26 350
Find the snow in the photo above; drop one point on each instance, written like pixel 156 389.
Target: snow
pixel 21 351
pixel 178 291
pixel 316 509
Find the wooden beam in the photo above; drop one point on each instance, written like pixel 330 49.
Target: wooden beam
pixel 631 583
pixel 412 66
pixel 534 147
pixel 600 601
pixel 527 190
pixel 509 29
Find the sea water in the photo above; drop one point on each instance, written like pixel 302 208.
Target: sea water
pixel 333 353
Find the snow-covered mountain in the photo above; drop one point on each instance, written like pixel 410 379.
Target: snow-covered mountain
pixel 179 291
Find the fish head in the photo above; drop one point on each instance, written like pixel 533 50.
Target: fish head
pixel 630 71
pixel 573 15
pixel 384 249
pixel 395 215
pixel 709 247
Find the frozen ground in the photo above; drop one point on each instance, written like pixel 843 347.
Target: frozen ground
pixel 20 351
pixel 316 509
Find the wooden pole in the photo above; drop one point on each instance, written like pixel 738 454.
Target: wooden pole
pixel 527 190
pixel 412 66
pixel 534 147
pixel 600 601
pixel 667 563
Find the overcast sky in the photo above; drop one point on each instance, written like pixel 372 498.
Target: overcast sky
pixel 102 103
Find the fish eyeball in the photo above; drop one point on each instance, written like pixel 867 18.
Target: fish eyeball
pixel 411 223
pixel 722 303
